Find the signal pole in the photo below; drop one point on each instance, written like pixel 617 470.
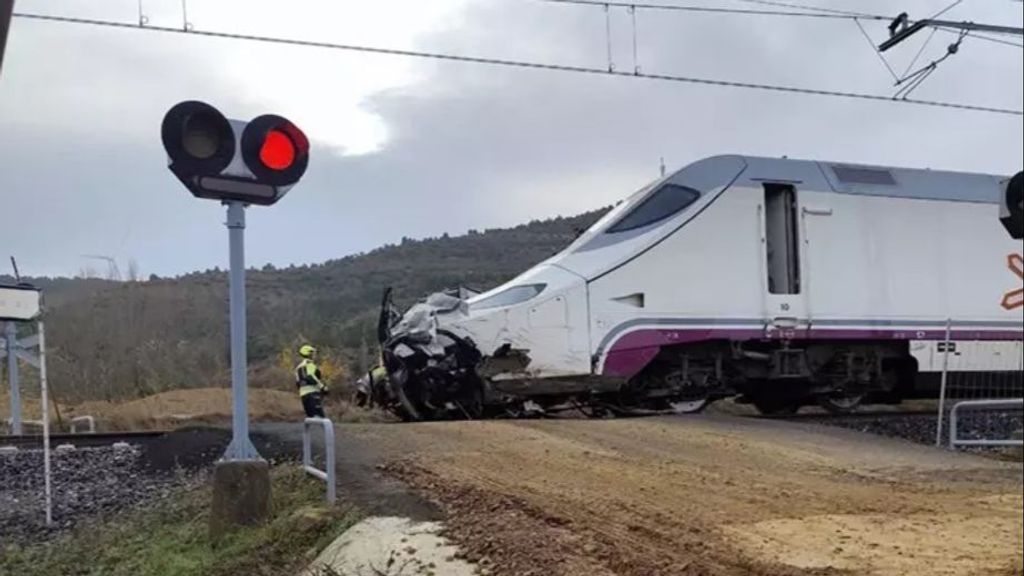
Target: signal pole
pixel 238 164
pixel 241 447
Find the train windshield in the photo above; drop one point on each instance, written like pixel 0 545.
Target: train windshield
pixel 510 296
pixel 665 202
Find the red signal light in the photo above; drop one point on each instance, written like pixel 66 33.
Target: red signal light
pixel 274 150
pixel 254 162
pixel 277 151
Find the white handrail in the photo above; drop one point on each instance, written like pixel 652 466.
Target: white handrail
pixel 88 421
pixel 329 475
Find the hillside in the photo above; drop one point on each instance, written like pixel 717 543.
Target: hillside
pixel 110 340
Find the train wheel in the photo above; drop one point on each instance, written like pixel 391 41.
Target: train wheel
pixel 840 403
pixel 663 388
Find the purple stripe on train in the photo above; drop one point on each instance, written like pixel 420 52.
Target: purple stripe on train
pixel 628 355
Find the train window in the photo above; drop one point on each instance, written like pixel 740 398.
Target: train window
pixel 664 202
pixel 860 175
pixel 510 296
pixel 782 245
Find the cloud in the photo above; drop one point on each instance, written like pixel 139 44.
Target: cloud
pixel 408 147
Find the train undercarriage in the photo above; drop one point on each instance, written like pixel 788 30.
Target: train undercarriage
pixel 434 374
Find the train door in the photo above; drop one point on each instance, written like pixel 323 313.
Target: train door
pixel 785 309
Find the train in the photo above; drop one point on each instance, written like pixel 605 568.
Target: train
pixel 777 281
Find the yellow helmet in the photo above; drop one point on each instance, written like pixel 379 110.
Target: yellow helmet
pixel 306 351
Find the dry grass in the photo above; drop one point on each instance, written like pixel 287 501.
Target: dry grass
pixel 175 408
pixel 178 407
pixel 30 408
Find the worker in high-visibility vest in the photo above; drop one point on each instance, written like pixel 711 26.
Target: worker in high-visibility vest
pixel 372 385
pixel 309 381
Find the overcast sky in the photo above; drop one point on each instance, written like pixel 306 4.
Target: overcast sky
pixel 413 147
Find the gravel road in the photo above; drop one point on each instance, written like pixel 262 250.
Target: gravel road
pixel 710 495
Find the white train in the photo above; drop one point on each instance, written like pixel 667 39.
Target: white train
pixel 785 281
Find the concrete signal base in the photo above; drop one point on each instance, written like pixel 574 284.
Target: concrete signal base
pixel 241 495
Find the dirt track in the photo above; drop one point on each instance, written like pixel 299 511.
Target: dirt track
pixel 706 495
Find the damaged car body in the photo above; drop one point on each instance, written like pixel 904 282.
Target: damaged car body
pixel 453 355
pixel 431 372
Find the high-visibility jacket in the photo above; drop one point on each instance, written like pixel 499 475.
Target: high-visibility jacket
pixel 378 374
pixel 308 378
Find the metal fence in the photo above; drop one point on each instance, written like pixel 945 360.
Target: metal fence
pixel 956 414
pixel 981 391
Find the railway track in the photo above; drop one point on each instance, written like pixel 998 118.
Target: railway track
pixel 867 414
pixel 32 441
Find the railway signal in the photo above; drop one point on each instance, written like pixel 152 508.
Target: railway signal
pixel 1011 206
pixel 238 163
pixel 254 162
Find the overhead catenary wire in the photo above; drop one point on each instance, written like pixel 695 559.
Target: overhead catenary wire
pixel 989 38
pixel 978 36
pixel 875 49
pixel 866 16
pixel 909 82
pixel 716 10
pixel 813 8
pixel 920 51
pixel 946 9
pixel 522 64
pixel 915 79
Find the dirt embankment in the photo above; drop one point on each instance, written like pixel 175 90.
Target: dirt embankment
pixel 176 408
pixel 708 496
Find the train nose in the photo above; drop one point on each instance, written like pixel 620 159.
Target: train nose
pixel 541 315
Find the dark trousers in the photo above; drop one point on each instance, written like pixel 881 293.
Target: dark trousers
pixel 313 404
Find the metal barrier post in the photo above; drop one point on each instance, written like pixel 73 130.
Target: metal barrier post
pixel 942 386
pixel 955 441
pixel 10 343
pixel 45 398
pixel 328 475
